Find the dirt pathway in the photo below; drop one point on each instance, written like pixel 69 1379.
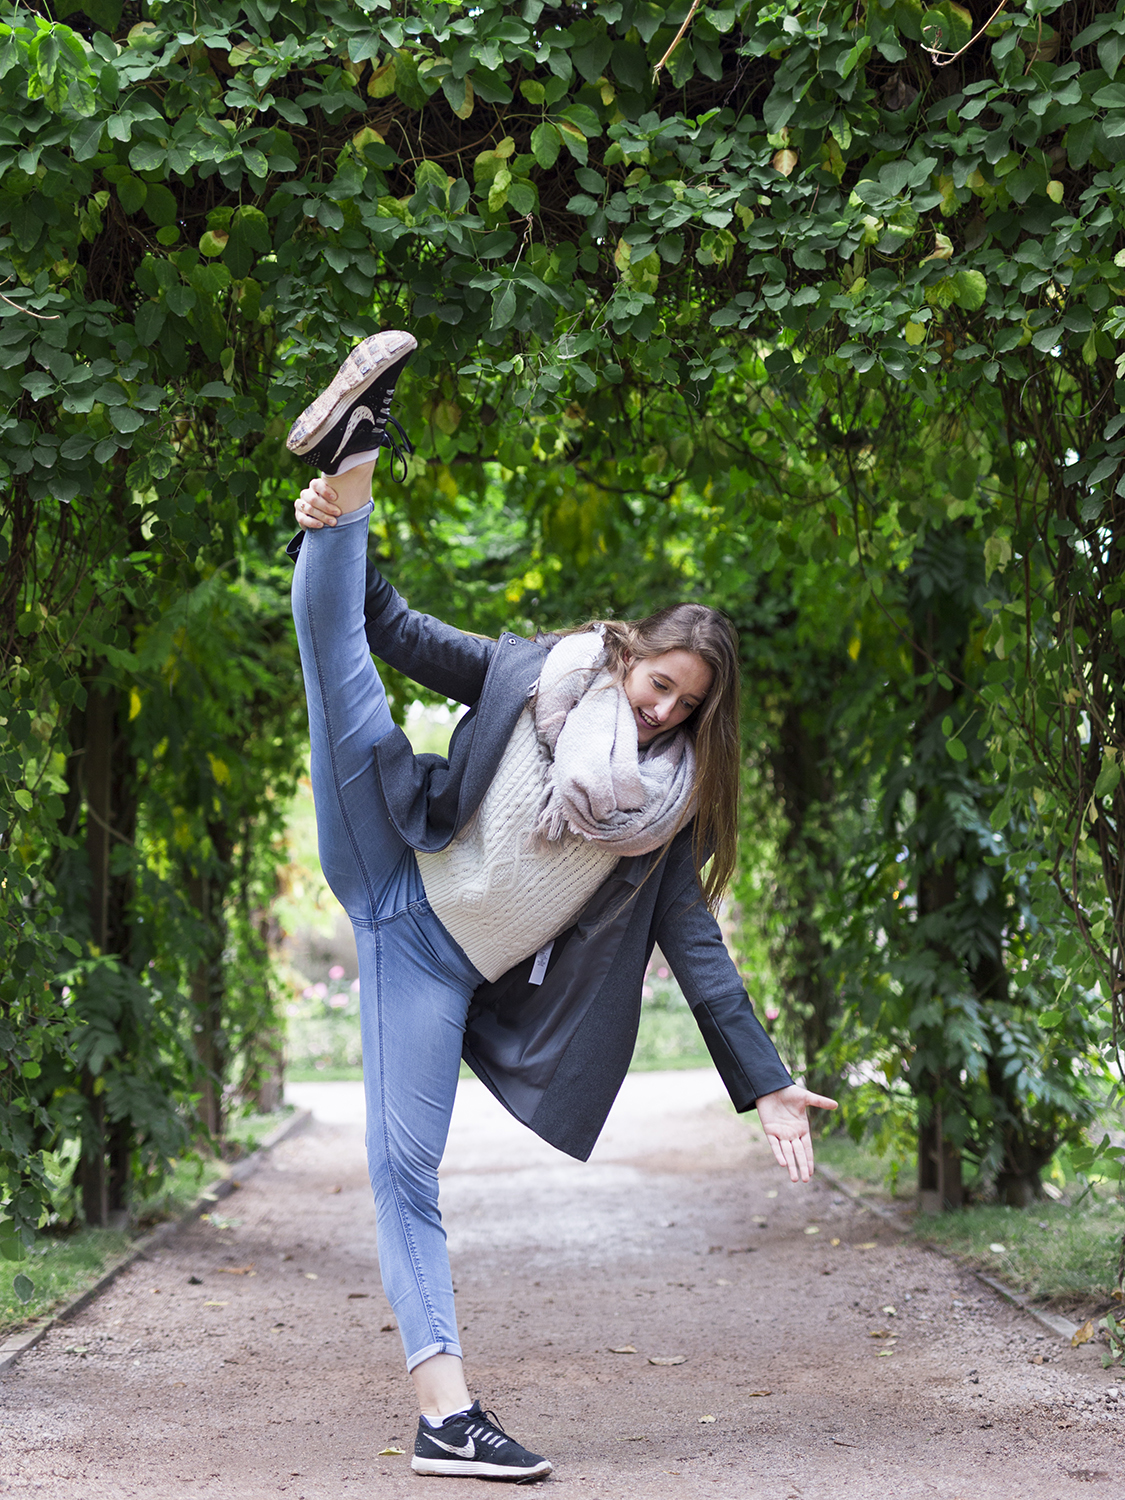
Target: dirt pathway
pixel 679 1238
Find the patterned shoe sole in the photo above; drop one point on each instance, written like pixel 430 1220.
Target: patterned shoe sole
pixel 362 368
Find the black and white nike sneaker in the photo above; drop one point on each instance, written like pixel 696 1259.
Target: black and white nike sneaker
pixel 351 415
pixel 473 1445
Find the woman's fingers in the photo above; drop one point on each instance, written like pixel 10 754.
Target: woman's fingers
pixel 316 506
pixel 819 1101
pixel 784 1155
pixel 791 1161
pixel 803 1152
pixel 793 1149
pixel 307 518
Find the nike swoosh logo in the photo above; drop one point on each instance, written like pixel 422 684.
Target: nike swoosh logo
pixel 359 414
pixel 468 1450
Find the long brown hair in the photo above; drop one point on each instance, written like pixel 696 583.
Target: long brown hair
pixel 714 725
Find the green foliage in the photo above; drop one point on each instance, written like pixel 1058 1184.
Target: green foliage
pixel 60 1269
pixel 1115 1338
pixel 756 330
pixel 1055 1252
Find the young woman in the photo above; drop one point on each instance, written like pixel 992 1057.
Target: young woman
pixel 506 901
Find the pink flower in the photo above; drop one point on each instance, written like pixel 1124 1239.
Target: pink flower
pixel 336 971
pixel 355 986
pixel 662 973
pixel 337 1002
pixel 320 990
pixel 772 1012
pixel 646 991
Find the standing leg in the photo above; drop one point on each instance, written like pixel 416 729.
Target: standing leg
pixel 413 1019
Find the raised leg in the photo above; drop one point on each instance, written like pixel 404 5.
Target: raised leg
pixel 348 714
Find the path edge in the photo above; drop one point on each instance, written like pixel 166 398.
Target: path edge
pixel 1061 1327
pixel 222 1187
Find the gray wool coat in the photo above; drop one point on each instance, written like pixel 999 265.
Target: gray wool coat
pixel 555 1054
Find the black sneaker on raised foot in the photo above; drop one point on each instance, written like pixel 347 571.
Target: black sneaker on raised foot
pixel 473 1445
pixel 351 415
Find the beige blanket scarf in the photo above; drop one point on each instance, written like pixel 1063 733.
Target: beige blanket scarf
pixel 600 783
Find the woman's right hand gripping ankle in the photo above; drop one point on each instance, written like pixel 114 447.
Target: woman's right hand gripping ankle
pixel 316 505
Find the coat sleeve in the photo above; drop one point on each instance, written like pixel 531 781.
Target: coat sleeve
pixel 690 940
pixel 429 652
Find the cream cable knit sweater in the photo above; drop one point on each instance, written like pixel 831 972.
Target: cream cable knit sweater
pixel 495 888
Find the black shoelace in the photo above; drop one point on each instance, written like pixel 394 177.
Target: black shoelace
pixel 387 439
pixel 494 1421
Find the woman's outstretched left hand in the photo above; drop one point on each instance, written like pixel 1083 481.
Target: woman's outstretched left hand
pixel 785 1120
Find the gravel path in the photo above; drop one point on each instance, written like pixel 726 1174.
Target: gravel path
pixel 256 1357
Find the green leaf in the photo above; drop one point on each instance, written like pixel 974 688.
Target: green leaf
pixel 591 59
pixel 24 798
pixel 574 140
pixel 1111 49
pixel 1108 778
pixel 584 117
pixel 105 13
pixel 956 750
pixel 408 85
pixel 946 27
pixel 671 248
pixel 851 61
pixel 131 193
pixel 1050 1018
pixel 160 205
pixel 504 307
pixel 251 224
pixel 969 290
pixel 125 418
pixel 24 1287
pixel 147 156
pixel 86 139
pixel 149 322
pixel 1111 97
pixel 546 143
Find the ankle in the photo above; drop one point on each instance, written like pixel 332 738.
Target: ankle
pixel 353 488
pixel 437 1418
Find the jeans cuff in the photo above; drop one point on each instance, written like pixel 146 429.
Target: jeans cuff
pixel 355 515
pixel 448 1347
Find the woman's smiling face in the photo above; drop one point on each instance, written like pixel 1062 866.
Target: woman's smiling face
pixel 665 690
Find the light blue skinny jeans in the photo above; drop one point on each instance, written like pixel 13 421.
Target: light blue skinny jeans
pixel 415 981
